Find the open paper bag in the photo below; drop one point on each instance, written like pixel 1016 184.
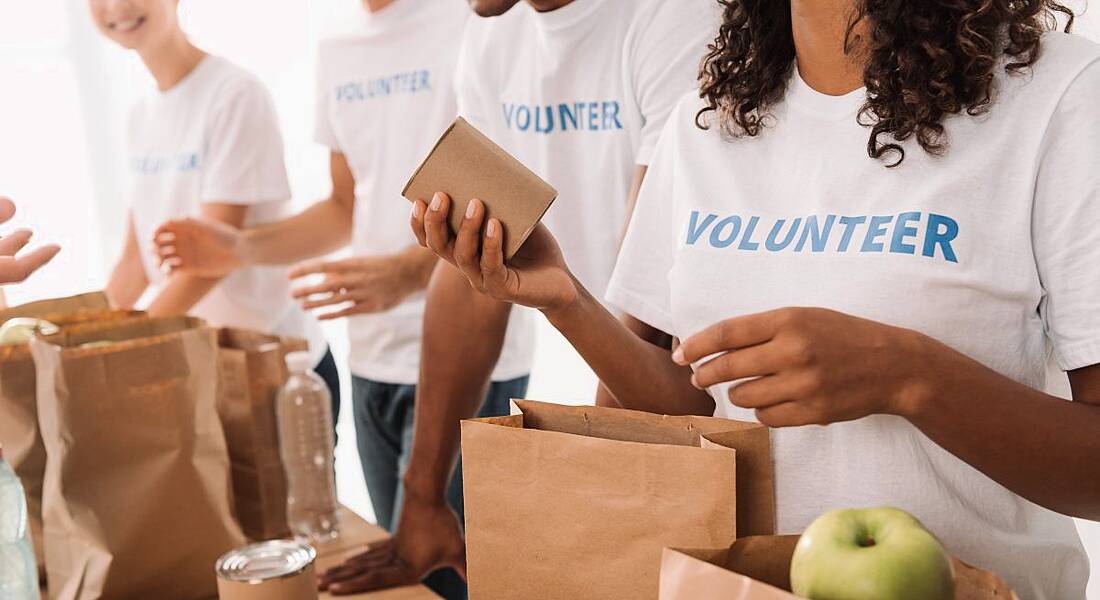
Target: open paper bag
pixel 19 433
pixel 758 568
pixel 251 370
pixel 136 501
pixel 577 502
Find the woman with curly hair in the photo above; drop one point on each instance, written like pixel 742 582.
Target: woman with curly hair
pixel 870 229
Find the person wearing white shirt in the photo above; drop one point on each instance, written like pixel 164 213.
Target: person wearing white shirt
pixel 577 90
pixel 870 228
pixel 205 142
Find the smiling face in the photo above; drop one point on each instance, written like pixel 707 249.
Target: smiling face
pixel 135 24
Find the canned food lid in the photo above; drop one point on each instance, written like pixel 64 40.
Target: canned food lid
pixel 266 560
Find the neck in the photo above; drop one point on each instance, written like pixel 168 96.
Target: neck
pixel 548 5
pixel 829 59
pixel 374 6
pixel 171 60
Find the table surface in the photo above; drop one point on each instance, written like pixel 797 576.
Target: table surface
pixel 355 533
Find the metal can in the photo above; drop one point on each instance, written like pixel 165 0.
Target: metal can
pixel 275 570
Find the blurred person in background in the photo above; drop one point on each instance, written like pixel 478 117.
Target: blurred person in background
pixel 385 93
pixel 578 90
pixel 205 142
pixel 15 267
pixel 871 228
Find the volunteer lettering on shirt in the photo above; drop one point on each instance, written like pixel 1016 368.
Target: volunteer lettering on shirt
pixel 412 82
pixel 828 233
pixel 564 116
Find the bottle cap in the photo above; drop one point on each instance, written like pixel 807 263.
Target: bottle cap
pixel 299 362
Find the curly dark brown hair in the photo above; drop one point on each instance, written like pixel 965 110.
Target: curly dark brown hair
pixel 925 60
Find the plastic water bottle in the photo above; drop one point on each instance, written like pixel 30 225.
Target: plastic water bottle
pixel 18 572
pixel 304 412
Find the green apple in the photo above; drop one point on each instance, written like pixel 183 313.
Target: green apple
pixel 871 554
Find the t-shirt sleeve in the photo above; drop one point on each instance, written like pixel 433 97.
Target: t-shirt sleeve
pixel 1066 224
pixel 244 161
pixel 663 55
pixel 323 132
pixel 640 283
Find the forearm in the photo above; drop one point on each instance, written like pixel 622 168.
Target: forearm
pixel 638 374
pixel 127 283
pixel 1043 448
pixel 319 230
pixel 417 265
pixel 180 295
pixel 463 337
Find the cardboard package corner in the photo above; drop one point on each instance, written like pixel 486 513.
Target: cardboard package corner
pixel 466 164
pixel 758 567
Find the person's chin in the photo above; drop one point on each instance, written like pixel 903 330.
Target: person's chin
pixel 492 8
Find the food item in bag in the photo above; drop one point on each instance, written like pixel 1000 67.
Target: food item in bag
pixel 21 330
pixel 871 554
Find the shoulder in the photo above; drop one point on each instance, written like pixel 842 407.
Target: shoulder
pixel 683 19
pixel 1063 60
pixel 232 84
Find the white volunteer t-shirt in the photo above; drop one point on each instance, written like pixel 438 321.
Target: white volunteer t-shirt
pixel 992 249
pixel 214 138
pixel 385 95
pixel 579 95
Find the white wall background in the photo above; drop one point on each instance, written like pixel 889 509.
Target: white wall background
pixel 63 97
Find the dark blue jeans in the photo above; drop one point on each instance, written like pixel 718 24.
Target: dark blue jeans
pixel 384 430
pixel 326 370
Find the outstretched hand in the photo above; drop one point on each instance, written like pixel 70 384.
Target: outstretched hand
pixel 202 247
pixel 427 539
pixel 536 276
pixel 16 268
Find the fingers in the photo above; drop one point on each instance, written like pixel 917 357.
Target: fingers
pixel 468 243
pixel 786 414
pixel 18 269
pixel 385 577
pixel 493 272
pixel 7 209
pixel 730 334
pixel 416 221
pixel 331 284
pixel 359 308
pixel 317 267
pixel 14 242
pixel 437 230
pixel 754 361
pixel 331 299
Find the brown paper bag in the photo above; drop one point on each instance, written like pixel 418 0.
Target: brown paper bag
pixel 251 370
pixel 136 499
pixel 18 413
pixel 578 502
pixel 758 568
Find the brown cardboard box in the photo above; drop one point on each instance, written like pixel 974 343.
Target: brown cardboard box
pixel 465 164
pixel 577 502
pixel 758 568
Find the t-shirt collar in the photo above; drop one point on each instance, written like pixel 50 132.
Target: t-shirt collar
pixel 395 11
pixel 801 95
pixel 565 17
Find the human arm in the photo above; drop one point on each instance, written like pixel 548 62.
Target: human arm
pixel 1045 448
pixel 458 322
pixel 210 249
pixel 128 280
pixel 183 291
